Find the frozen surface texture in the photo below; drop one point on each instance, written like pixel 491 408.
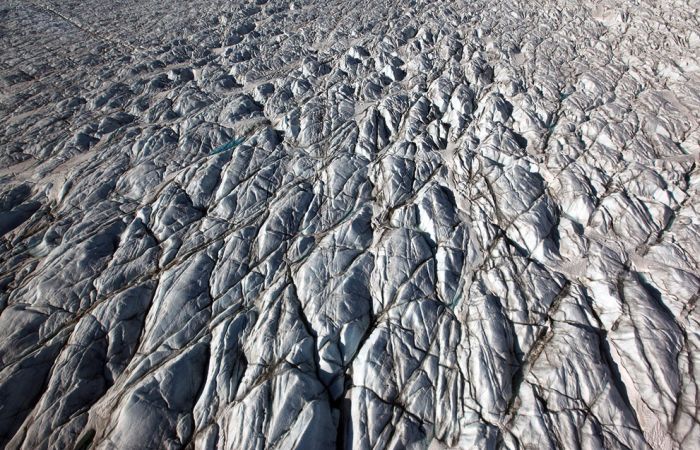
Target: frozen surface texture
pixel 349 224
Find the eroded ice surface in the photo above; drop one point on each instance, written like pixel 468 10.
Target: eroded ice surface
pixel 357 224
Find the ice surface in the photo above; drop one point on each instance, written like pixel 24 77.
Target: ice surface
pixel 349 224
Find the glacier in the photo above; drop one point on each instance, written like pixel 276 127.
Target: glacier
pixel 349 224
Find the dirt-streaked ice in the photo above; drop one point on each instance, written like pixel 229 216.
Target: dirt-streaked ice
pixel 350 224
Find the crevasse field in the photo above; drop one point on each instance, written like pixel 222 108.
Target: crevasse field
pixel 349 224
